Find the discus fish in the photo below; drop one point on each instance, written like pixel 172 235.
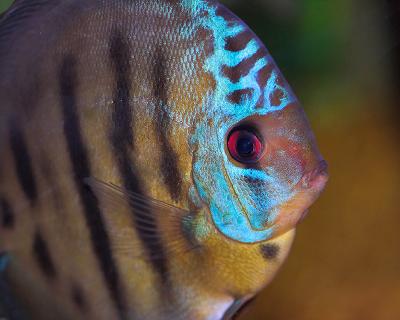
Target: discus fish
pixel 153 160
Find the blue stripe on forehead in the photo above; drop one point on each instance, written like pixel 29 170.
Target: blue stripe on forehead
pixel 222 31
pixel 194 6
pixel 214 175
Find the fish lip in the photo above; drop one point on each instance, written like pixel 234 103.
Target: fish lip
pixel 313 183
pixel 315 179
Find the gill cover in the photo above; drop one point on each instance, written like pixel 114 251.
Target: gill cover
pixel 248 83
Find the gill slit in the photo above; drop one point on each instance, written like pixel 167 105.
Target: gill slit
pixel 233 191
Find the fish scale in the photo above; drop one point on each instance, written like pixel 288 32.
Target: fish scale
pixel 121 197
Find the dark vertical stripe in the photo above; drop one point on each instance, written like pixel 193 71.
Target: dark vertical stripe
pixel 122 143
pixel 7 214
pixel 23 163
pixel 81 169
pixel 78 297
pixel 169 160
pixel 42 256
pixel 48 173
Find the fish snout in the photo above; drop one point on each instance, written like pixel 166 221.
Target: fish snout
pixel 306 192
pixel 317 178
pixel 314 183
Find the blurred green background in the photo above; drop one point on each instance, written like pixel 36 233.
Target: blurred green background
pixel 341 59
pixel 4 4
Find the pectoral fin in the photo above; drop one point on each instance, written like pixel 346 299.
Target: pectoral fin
pixel 158 224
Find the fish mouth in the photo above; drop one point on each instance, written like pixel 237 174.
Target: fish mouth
pixel 284 217
pixel 295 210
pixel 315 179
pixel 306 192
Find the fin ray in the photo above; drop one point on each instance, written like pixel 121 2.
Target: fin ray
pixel 169 219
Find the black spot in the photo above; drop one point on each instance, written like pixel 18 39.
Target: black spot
pixel 68 83
pixel 122 143
pixel 7 214
pixel 169 161
pixel 23 163
pixel 269 251
pixel 42 255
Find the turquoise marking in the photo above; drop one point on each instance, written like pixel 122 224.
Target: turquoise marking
pixel 240 209
pixel 194 6
pixel 4 261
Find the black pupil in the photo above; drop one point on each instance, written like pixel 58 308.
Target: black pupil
pixel 245 146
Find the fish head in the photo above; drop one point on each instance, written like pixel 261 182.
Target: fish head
pixel 274 168
pixel 257 164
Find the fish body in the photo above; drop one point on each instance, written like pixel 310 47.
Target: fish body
pixel 154 162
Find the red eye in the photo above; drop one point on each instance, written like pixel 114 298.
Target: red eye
pixel 244 146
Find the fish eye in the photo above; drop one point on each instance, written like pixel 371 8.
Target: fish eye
pixel 244 145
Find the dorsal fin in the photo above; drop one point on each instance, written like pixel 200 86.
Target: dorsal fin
pixel 17 14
